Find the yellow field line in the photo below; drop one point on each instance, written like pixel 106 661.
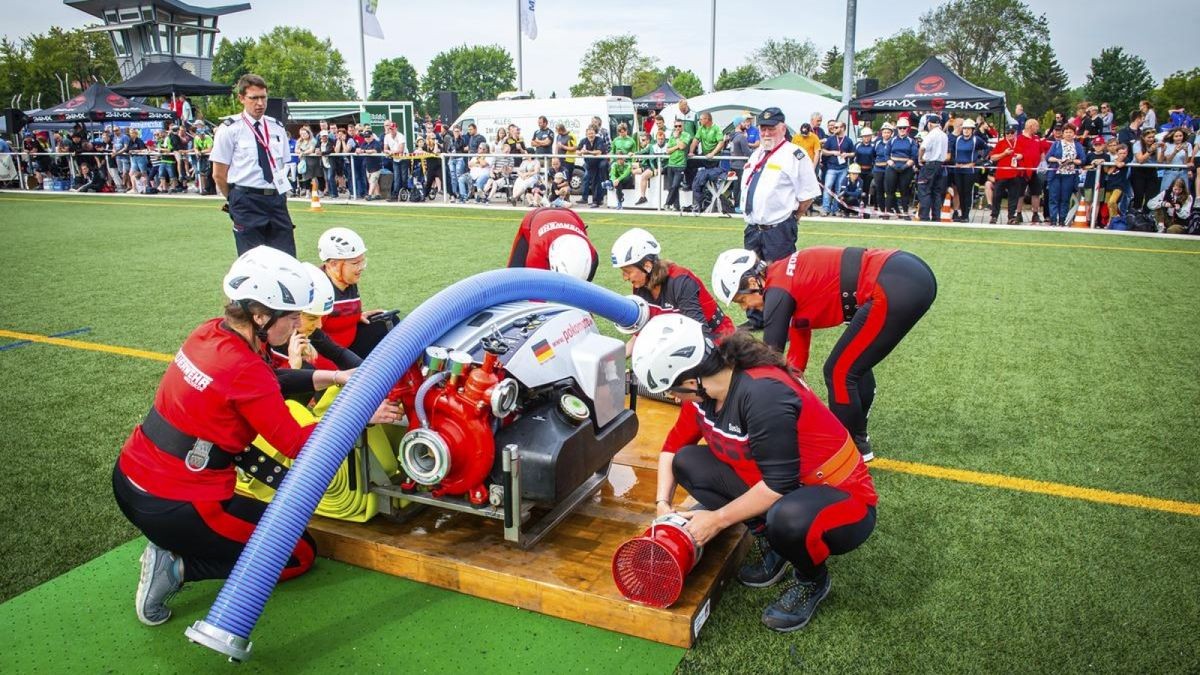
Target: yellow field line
pixel 90 346
pixel 344 210
pixel 913 468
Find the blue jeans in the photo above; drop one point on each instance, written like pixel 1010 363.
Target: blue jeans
pixel 1062 187
pixel 457 168
pixel 331 181
pixel 835 175
pixel 399 175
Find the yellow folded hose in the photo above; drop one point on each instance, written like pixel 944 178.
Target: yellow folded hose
pixel 347 497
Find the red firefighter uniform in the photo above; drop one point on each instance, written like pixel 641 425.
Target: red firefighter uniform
pixel 341 325
pixel 683 292
pixel 539 229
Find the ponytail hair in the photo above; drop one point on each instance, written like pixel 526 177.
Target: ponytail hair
pixel 739 351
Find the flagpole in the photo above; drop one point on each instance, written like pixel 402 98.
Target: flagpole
pixel 848 52
pixel 520 73
pixel 362 50
pixel 712 50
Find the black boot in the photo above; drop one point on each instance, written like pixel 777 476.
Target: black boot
pixel 763 566
pixel 796 606
pixel 863 442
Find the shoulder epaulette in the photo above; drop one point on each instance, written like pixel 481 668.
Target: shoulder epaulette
pixel 228 121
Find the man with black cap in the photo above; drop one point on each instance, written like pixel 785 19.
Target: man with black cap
pixel 249 158
pixel 778 186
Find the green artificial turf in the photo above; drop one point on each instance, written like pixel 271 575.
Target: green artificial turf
pixel 1054 356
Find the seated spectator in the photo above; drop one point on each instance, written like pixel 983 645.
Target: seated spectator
pixel 560 188
pixel 502 168
pixel 88 179
pixel 527 175
pixel 620 178
pixel 1173 208
pixel 479 172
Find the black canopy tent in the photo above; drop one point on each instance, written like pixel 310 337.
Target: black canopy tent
pixel 100 104
pixel 932 86
pixel 658 99
pixel 166 78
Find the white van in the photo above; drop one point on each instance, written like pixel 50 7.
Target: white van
pixel 574 113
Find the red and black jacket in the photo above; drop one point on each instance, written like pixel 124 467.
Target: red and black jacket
pixel 539 229
pixel 683 292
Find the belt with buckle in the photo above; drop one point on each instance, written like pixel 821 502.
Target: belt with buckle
pixel 268 192
pixel 197 453
pixel 851 264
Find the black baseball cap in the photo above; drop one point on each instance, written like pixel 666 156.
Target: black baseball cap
pixel 770 117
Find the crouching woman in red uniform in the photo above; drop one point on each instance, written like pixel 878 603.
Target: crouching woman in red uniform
pixel 554 239
pixel 774 458
pixel 879 293
pixel 174 479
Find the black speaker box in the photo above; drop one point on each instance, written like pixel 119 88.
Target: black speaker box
pixel 277 109
pixel 866 86
pixel 448 105
pixel 622 90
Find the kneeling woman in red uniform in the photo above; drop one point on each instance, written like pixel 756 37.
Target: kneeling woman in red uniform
pixel 880 293
pixel 775 459
pixel 174 479
pixel 554 239
pixel 665 284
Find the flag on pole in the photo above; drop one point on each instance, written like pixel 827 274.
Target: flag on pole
pixel 370 22
pixel 528 21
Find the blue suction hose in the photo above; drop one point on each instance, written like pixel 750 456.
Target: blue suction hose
pixel 240 603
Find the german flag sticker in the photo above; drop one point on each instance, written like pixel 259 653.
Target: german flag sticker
pixel 542 351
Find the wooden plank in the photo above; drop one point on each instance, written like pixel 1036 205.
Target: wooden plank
pixel 569 573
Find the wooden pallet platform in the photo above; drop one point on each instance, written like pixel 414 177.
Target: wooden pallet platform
pixel 568 574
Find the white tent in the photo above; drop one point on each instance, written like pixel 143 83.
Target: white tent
pixel 797 106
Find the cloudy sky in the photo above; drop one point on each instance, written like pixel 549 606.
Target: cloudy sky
pixel 675 32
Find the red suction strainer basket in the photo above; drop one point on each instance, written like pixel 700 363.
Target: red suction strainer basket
pixel 650 569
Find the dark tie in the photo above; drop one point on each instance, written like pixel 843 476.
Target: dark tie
pixel 263 162
pixel 750 190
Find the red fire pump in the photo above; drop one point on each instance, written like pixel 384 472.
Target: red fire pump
pixel 452 408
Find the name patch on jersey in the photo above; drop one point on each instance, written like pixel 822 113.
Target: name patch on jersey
pixel 552 226
pixel 196 378
pixel 791 266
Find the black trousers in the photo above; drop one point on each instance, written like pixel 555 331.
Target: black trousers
pixel 735 191
pixel 261 220
pixel 805 526
pixel 674 176
pixel 878 191
pixel 208 536
pixel 1144 184
pixel 770 244
pixel 931 191
pixel 866 179
pixel 898 180
pixel 1012 188
pixel 964 188
pixel 909 289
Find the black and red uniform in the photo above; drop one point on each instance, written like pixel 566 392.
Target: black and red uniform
pixel 772 428
pixel 539 228
pixel 880 293
pixel 683 292
pixel 216 390
pixel 296 383
pixel 345 327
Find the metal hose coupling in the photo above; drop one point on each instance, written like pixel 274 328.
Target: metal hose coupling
pixel 643 309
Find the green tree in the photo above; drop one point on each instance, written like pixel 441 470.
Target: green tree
pixel 476 73
pixel 738 78
pixel 610 61
pixel 229 63
pixel 981 39
pixel 891 59
pixel 776 57
pixel 395 80
pixel 830 72
pixel 1119 78
pixel 298 65
pixel 42 62
pixel 1179 89
pixel 687 84
pixel 1041 83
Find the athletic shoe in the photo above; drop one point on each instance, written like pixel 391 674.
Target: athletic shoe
pixel 640 201
pixel 796 605
pixel 864 447
pixel 1014 221
pixel 1037 220
pixel 763 566
pixel 620 205
pixel 160 580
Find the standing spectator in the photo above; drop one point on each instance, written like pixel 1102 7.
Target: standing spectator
pixel 883 152
pixel 1150 120
pixel 864 157
pixel 752 134
pixel 677 146
pixel 474 139
pixel 372 153
pixel 501 139
pixel 1116 184
pixel 395 146
pixel 1077 120
pixel 1093 124
pixel 602 130
pixel 1032 149
pixel 168 166
pixel 1129 135
pixel 592 148
pixel 739 146
pixel 967 149
pixel 1065 158
pixel 902 157
pixel 564 144
pixel 687 116
pixel 457 166
pixel 1106 119
pixel 1020 116
pixel 836 152
pixel 809 142
pixel 709 141
pixel 139 163
pixel 1143 180
pixel 306 159
pixel 931 182
pixel 1093 181
pixel 516 145
pixel 1177 152
pixel 815 123
pixel 543 138
pixel 358 172
pixel 120 148
pixel 1174 208
pixel 202 144
pixel 1007 157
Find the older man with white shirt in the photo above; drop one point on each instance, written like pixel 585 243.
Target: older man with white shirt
pixel 931 181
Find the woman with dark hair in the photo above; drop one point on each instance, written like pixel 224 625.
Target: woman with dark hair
pixel 775 459
pixel 1174 208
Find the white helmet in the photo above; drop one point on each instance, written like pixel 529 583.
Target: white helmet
pixel 322 303
pixel 571 254
pixel 271 277
pixel 728 271
pixel 668 346
pixel 340 243
pixel 633 247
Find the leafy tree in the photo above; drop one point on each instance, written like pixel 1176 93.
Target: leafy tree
pixel 1119 78
pixel 476 73
pixel 1042 84
pixel 738 78
pixel 891 59
pixel 229 63
pixel 687 84
pixel 610 61
pixel 395 80
pixel 1181 88
pixel 30 68
pixel 776 57
pixel 298 65
pixel 980 39
pixel 832 63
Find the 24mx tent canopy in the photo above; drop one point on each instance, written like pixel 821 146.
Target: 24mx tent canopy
pixel 100 104
pixel 932 86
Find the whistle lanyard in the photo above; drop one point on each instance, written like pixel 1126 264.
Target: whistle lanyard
pixel 264 140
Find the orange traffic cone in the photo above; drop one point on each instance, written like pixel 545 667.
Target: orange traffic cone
pixel 315 192
pixel 947 210
pixel 1081 214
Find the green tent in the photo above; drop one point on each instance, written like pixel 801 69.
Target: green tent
pixel 796 82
